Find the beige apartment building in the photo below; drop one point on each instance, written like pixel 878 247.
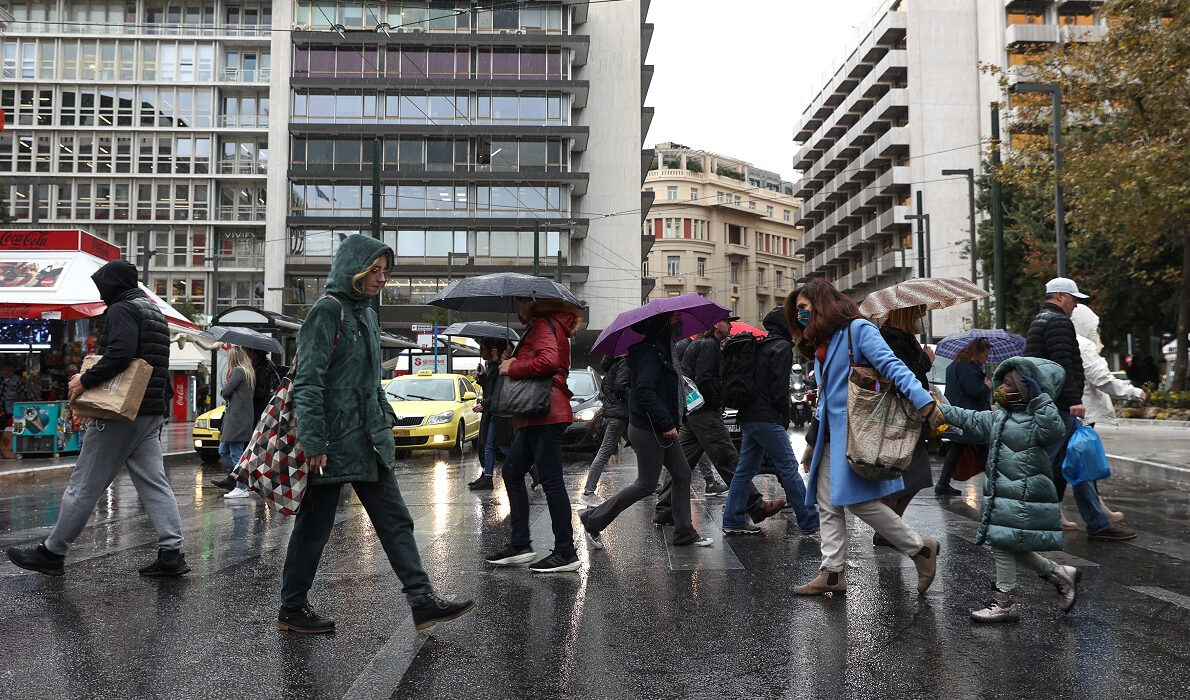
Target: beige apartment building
pixel 722 228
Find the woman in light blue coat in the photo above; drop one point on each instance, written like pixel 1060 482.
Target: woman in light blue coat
pixel 829 327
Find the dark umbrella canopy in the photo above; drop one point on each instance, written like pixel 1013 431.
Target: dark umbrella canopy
pixel 480 329
pixel 698 314
pixel 501 292
pixel 1004 344
pixel 244 337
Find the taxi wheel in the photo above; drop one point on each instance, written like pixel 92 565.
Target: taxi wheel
pixel 460 435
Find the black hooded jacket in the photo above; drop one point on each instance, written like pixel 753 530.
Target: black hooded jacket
pixel 616 384
pixel 135 328
pixel 774 363
pixel 1051 336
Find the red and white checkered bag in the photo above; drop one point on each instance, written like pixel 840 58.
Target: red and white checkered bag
pixel 274 464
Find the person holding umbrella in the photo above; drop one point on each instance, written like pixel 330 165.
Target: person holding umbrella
pixel 544 352
pixel 967 386
pixel 238 420
pixel 655 408
pixel 495 432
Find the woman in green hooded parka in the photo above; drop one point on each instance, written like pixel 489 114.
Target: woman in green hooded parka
pixel 1020 503
pixel 345 424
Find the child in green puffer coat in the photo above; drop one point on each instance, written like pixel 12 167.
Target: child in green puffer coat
pixel 1020 506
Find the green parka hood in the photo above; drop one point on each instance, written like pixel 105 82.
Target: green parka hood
pixel 354 255
pixel 1049 375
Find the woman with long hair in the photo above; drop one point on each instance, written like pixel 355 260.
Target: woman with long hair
pixel 898 330
pixel 967 386
pixel 238 420
pixel 345 423
pixel 655 407
pixel 829 327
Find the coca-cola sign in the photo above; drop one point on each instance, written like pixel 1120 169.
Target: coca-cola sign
pixel 58 240
pixel 25 240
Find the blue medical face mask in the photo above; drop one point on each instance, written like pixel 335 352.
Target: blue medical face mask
pixel 803 317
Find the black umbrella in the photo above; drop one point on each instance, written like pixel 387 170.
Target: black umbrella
pixel 501 292
pixel 244 337
pixel 480 329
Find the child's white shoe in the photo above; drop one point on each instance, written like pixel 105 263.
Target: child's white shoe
pixel 1001 609
pixel 1065 579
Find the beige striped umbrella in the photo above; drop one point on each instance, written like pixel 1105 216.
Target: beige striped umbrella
pixel 932 292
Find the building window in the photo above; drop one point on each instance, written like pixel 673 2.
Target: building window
pixel 672 263
pixel 768 211
pixel 760 276
pixel 719 197
pixel 735 275
pixel 735 305
pixel 780 279
pixel 752 204
pixel 649 190
pixel 702 267
pixel 785 213
pixel 735 234
pixel 693 193
pixel 671 192
pixel 644 269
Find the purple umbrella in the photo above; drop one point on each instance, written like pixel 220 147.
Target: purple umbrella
pixel 698 314
pixel 1004 344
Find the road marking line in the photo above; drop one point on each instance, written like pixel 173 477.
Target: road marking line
pixel 1168 596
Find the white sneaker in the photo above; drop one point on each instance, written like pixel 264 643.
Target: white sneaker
pixel 238 492
pixel 590 500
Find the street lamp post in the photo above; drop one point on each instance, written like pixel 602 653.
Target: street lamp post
pixel 1055 92
pixel 969 173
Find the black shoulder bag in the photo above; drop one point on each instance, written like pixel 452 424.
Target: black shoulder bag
pixel 522 398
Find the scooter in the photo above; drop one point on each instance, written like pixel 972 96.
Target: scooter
pixel 799 402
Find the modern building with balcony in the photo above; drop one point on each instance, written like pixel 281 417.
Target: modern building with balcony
pixel 908 102
pixel 145 123
pixel 236 140
pixel 722 228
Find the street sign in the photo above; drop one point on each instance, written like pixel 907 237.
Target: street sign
pixel 421 362
pixel 422 327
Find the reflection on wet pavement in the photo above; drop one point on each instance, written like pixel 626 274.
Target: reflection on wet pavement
pixel 641 619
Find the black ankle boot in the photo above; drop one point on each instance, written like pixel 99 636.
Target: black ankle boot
pixel 429 609
pixel 170 562
pixel 303 619
pixel 38 559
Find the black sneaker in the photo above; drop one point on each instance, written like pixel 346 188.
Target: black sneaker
pixel 512 555
pixel 947 490
pixel 429 610
pixel 170 562
pixel 715 489
pixel 483 483
pixel 38 559
pixel 226 483
pixel 303 619
pixel 663 520
pixel 556 562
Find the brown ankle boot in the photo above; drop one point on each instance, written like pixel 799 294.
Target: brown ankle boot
pixel 825 582
pixel 927 563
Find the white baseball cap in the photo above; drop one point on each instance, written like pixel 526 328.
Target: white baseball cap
pixel 1066 285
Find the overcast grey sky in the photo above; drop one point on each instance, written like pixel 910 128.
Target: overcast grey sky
pixel 733 77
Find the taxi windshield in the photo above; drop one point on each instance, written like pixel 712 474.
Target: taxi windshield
pixel 421 389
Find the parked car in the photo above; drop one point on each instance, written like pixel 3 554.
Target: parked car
pixel 586 432
pixel 205 434
pixel 434 411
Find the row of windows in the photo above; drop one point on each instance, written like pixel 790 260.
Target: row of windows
pixel 551 108
pixel 112 15
pixel 104 107
pixel 186 246
pixel 672 194
pixel 101 152
pixel 431 17
pixel 417 62
pixel 429 200
pixel 673 268
pixel 106 59
pixel 416 153
pixel 434 245
pixel 116 200
pixel 670 227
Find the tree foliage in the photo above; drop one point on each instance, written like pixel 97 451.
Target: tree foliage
pixel 1126 170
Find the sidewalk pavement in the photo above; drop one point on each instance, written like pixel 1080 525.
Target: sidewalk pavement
pixel 1148 449
pixel 175 444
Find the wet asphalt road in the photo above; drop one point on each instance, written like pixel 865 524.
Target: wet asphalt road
pixel 641 620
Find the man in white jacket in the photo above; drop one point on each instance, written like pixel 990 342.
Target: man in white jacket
pixel 1099 384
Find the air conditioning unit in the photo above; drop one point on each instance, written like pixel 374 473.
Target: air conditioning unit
pixel 520 31
pixel 417 30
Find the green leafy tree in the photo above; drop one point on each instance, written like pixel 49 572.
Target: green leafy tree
pixel 1126 171
pixel 186 307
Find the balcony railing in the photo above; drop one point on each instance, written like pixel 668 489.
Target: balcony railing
pixel 244 121
pixel 140 29
pixel 234 213
pixel 245 75
pixel 241 167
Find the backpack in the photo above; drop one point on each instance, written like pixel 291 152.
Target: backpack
pixel 737 370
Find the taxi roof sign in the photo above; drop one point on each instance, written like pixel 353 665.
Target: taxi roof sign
pixel 425 373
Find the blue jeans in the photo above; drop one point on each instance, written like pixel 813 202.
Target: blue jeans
pixel 231 452
pixel 1085 495
pixel 540 445
pixel 760 438
pixel 487 452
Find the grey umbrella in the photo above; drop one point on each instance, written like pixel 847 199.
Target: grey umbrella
pixel 244 337
pixel 480 329
pixel 501 292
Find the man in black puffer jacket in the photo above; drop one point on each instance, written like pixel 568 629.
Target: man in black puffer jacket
pixel 763 423
pixel 1052 337
pixel 135 328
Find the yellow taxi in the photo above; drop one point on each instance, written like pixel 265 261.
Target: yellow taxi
pixel 434 411
pixel 205 434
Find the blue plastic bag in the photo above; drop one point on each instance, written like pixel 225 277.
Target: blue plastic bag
pixel 1085 459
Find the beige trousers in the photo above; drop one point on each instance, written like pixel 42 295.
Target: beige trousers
pixel 880 517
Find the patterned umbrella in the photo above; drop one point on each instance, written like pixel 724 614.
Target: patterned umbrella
pixel 1004 344
pixel 932 292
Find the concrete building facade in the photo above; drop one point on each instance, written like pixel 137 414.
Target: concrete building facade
pixel 907 103
pixel 721 228
pixel 248 131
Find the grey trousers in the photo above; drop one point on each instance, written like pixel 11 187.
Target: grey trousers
pixel 107 446
pixel 704 435
pixel 652 451
pixel 875 513
pixel 616 427
pixel 1008 561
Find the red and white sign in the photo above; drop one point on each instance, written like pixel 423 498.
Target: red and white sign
pixel 54 239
